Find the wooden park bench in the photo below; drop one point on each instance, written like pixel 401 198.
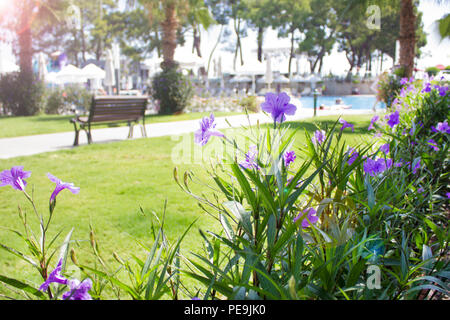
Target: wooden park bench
pixel 112 109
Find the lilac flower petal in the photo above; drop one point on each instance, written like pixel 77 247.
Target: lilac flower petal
pixel 310 218
pixel 60 186
pixel 385 148
pixel 319 137
pixel 15 177
pixel 78 291
pixel 289 157
pixel 393 119
pixel 207 129
pixel 345 124
pixel 54 277
pixel 278 106
pixel 250 161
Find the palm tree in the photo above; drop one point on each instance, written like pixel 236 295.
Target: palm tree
pixel 407 37
pixel 30 13
pixel 174 13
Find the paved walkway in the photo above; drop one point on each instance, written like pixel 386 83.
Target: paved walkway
pixel 29 145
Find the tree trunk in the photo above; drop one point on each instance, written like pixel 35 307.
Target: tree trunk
pixel 291 53
pixel 260 43
pixel 83 39
pixel 238 48
pixel 407 36
pixel 196 42
pixel 25 39
pixel 169 28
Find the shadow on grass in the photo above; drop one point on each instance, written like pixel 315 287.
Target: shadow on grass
pixel 312 125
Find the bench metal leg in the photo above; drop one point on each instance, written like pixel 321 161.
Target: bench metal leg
pixel 77 134
pixel 130 133
pixel 143 131
pixel 89 136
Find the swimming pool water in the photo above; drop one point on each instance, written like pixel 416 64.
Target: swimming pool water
pixel 357 102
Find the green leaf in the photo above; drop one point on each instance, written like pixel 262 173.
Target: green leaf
pixel 245 186
pixel 241 214
pixel 22 286
pixel 64 251
pixel 355 272
pixel 299 247
pixel 113 280
pixel 271 231
pixel 21 255
pixel 226 227
pixel 370 193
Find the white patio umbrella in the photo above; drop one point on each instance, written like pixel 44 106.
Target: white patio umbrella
pixel 298 78
pixel 70 74
pixel 241 79
pixel 110 79
pixel 51 78
pixel 281 79
pixel 313 79
pixel 91 71
pixel 42 67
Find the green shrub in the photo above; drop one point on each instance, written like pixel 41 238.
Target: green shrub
pixel 21 94
pixel 77 96
pixel 55 101
pixel 388 88
pixel 60 100
pixel 432 71
pixel 250 103
pixel 172 89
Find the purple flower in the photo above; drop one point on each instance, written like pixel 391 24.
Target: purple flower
pixel 207 129
pixel 14 178
pixel 319 137
pixel 374 167
pixel 353 155
pixel 448 195
pixel 433 144
pixel 309 219
pixel 289 157
pixel 443 91
pixel 398 164
pixel 420 190
pixel 345 124
pixel 78 291
pixel 404 81
pixel 54 277
pixel 250 161
pixel 195 298
pixel 441 127
pixel 385 148
pixel 393 119
pixel 60 186
pixel 403 92
pixel 416 167
pixel 427 87
pixel 374 119
pixel 278 106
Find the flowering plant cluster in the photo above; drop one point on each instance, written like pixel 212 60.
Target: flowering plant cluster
pixel 305 220
pixel 300 219
pixel 42 252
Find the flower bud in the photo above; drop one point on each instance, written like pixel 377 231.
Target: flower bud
pixel 73 256
pixel 118 259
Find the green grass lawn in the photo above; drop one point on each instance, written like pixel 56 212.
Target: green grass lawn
pixel 25 126
pixel 116 179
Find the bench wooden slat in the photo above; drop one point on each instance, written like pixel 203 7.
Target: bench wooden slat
pixel 112 109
